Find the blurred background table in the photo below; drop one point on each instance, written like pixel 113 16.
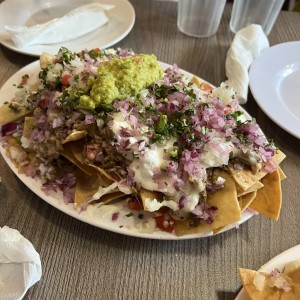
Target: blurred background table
pixel 83 262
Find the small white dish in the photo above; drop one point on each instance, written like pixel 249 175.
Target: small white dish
pixel 97 216
pixel 32 12
pixel 278 262
pixel 275 85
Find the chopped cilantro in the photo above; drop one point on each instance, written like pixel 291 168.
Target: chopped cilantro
pixel 157 138
pixel 242 139
pixel 161 91
pixel 129 214
pixel 234 115
pixel 271 144
pixel 94 53
pixel 66 55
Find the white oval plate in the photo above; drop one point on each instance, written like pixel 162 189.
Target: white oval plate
pixel 278 262
pixel 96 216
pixel 275 84
pixel 32 12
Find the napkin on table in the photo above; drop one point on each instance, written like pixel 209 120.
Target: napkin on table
pixel 246 46
pixel 77 22
pixel 20 264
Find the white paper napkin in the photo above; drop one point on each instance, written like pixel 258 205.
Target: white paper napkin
pixel 76 23
pixel 20 264
pixel 246 46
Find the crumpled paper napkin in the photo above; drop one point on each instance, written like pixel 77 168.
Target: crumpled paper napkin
pixel 246 46
pixel 20 264
pixel 78 22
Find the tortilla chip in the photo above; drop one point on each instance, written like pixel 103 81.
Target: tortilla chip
pixel 246 200
pixel 102 171
pixel 245 178
pixel 228 208
pixel 146 194
pixel 268 198
pixel 29 124
pixel 257 185
pixel 270 293
pixel 292 268
pixel 8 115
pixel 74 136
pixel 295 276
pixel 281 174
pixel 279 157
pixel 12 146
pixel 87 186
pixel 247 277
pixel 111 197
pixel 77 150
pixel 68 154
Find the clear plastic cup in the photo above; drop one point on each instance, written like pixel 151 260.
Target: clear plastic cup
pixel 199 18
pixel 262 12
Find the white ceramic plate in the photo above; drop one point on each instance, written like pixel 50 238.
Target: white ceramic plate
pixel 275 85
pixel 32 12
pixel 97 216
pixel 278 262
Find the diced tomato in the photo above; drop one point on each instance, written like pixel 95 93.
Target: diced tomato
pixel 65 79
pixel 43 104
pixel 134 204
pixel 96 50
pixel 25 79
pixel 165 222
pixel 206 87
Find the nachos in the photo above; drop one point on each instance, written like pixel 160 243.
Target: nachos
pixel 111 125
pixel 278 284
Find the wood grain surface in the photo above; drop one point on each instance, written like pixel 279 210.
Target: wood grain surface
pixel 83 262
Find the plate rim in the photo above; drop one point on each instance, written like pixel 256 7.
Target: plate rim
pixel 53 48
pixel 255 68
pixel 31 69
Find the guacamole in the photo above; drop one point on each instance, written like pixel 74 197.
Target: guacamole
pixel 119 78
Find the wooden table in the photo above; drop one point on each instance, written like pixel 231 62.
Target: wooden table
pixel 83 262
